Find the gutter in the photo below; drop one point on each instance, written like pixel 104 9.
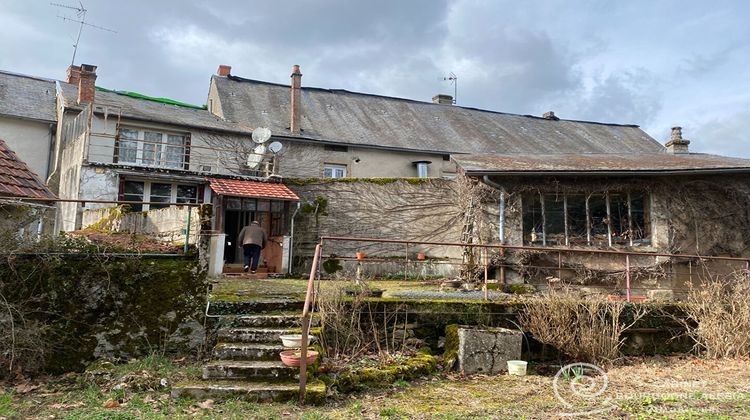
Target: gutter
pixel 708 171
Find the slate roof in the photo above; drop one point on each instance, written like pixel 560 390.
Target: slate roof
pixel 16 179
pixel 252 189
pixel 152 111
pixel 29 97
pixel 341 116
pixel 600 163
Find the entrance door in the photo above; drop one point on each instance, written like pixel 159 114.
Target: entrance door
pixel 234 221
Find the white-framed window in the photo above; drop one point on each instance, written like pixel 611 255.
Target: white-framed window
pixel 152 148
pixel 332 170
pixel 157 192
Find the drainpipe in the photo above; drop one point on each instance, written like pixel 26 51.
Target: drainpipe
pixel 501 208
pixel 291 240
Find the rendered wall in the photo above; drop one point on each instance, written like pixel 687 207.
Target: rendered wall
pixel 30 140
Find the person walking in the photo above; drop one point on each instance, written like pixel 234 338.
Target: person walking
pixel 252 239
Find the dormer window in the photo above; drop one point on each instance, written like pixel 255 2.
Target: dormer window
pixel 152 148
pixel 421 165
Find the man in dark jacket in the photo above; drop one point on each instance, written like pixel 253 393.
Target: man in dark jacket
pixel 252 239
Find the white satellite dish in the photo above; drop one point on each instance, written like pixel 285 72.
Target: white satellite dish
pixel 275 147
pixel 261 134
pixel 255 158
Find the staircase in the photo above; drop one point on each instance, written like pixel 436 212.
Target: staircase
pixel 246 363
pixel 237 271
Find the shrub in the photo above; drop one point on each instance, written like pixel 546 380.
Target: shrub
pixel 718 316
pixel 586 330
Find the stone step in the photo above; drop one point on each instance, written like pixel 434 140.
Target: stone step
pixel 291 321
pixel 245 276
pixel 240 268
pixel 240 369
pixel 248 351
pixel 266 305
pixel 252 335
pixel 255 391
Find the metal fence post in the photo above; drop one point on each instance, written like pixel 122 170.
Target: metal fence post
pixel 627 276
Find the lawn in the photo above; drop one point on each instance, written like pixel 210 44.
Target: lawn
pixel 673 387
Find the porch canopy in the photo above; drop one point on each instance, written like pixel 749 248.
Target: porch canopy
pixel 252 189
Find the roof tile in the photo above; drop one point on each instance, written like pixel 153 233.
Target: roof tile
pixel 254 189
pixel 17 179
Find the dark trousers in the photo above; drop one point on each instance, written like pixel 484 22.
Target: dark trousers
pixel 251 252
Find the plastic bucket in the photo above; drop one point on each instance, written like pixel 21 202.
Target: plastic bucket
pixel 517 367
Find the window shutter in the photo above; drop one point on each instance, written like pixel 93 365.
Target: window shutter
pixel 201 193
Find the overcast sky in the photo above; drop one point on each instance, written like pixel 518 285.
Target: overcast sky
pixel 651 63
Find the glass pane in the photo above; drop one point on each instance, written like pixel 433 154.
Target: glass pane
pixel 618 211
pixel 133 191
pixel 554 212
pixel 187 194
pixel 264 205
pixel 532 219
pixel 328 172
pixel 249 204
pixel 160 193
pixel 640 212
pixel 175 151
pixel 340 173
pixel 598 209
pixel 422 170
pixel 128 145
pixel 577 219
pixel 151 148
pixel 234 203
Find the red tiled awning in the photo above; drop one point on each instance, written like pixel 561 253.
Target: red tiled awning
pixel 16 179
pixel 252 189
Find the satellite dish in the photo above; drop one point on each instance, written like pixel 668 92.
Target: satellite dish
pixel 275 147
pixel 255 158
pixel 261 134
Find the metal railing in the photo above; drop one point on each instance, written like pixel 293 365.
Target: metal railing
pixel 310 296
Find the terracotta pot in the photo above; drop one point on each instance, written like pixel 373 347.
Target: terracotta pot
pixel 292 357
pixel 420 256
pixel 360 256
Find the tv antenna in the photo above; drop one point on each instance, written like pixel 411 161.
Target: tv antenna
pixel 81 20
pixel 454 80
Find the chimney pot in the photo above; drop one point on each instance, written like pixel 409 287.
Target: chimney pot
pixel 87 83
pixel 295 111
pixel 550 115
pixel 676 143
pixel 442 99
pixel 73 74
pixel 223 70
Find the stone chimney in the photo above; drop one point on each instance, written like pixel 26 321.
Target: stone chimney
pixel 676 143
pixel 223 70
pixel 87 84
pixel 549 115
pixel 442 99
pixel 295 111
pixel 73 75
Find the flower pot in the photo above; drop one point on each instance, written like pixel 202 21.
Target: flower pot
pixel 360 256
pixel 517 367
pixel 421 256
pixel 292 357
pixel 292 341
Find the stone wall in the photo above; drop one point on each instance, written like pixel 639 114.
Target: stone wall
pixel 167 224
pixel 407 209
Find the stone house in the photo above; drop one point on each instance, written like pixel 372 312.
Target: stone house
pixel 24 198
pixel 27 118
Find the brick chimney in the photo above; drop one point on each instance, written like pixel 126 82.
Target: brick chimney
pixel 295 108
pixel 223 70
pixel 442 99
pixel 549 115
pixel 676 143
pixel 73 75
pixel 87 84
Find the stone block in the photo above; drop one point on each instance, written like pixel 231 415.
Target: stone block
pixel 482 350
pixel 661 294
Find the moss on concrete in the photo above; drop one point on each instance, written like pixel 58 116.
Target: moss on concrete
pixel 450 356
pixel 422 364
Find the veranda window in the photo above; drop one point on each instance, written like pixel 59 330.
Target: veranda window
pixel 586 219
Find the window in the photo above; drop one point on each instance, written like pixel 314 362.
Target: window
pixel 422 169
pixel 278 224
pixel 586 219
pixel 334 171
pixel 152 148
pixel 157 192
